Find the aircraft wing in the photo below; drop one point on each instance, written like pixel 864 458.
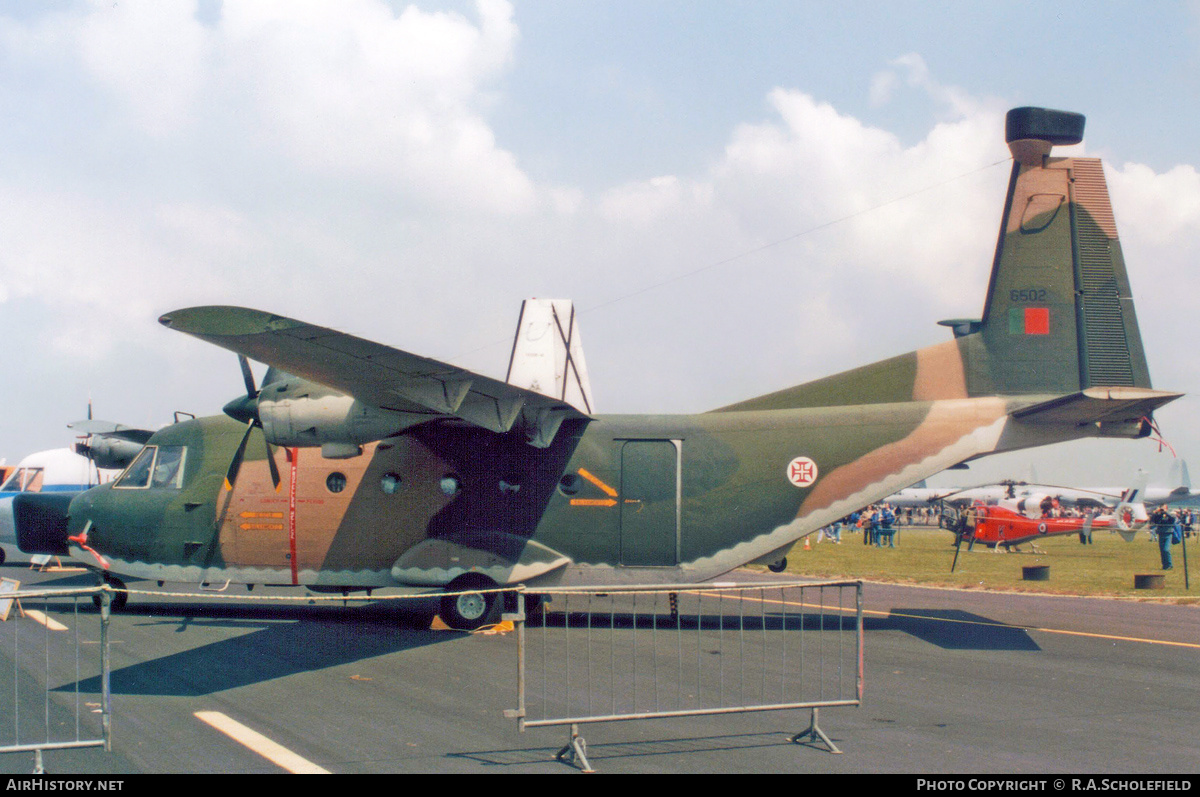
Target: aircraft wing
pixel 373 373
pixel 110 429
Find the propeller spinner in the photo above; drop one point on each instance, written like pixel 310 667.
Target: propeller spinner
pixel 245 409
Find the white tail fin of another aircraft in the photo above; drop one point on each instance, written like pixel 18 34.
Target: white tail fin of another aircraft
pixel 1181 482
pixel 547 354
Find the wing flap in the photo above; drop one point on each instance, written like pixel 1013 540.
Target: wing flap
pixel 373 373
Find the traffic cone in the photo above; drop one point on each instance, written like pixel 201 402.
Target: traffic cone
pixel 807 547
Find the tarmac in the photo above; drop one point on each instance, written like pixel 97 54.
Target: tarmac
pixel 955 682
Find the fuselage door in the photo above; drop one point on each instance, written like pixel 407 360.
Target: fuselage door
pixel 650 488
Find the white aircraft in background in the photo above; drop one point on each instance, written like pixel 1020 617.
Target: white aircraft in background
pixel 57 470
pixel 1178 490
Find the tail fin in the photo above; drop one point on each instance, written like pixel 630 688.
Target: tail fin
pixel 1181 482
pixel 1059 314
pixel 1131 513
pixel 1134 494
pixel 1058 324
pixel 547 354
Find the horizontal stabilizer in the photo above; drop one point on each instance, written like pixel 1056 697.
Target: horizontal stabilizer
pixel 1099 405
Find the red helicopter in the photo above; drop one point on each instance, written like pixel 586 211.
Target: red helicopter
pixel 1015 521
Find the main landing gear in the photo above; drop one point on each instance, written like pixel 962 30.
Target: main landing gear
pixel 469 610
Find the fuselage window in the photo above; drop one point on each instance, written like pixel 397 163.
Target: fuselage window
pixel 450 484
pixel 390 483
pixel 335 482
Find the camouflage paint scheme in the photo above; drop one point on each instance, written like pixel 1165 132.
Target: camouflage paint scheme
pixel 643 499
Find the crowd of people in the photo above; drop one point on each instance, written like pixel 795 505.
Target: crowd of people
pixel 879 524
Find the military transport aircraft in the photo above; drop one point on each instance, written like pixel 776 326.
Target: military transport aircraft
pixel 397 470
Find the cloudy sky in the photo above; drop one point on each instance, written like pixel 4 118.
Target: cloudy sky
pixel 738 196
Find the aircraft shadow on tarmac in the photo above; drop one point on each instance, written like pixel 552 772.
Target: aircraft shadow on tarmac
pixel 953 629
pixel 692 622
pixel 281 641
pixel 641 748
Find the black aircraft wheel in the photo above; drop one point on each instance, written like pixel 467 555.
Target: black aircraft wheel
pixel 778 567
pixel 1 556
pixel 119 598
pixel 469 610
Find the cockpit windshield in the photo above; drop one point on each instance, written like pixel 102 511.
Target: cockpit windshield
pixel 155 466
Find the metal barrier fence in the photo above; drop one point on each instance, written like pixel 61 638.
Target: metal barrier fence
pixel 623 653
pixel 43 706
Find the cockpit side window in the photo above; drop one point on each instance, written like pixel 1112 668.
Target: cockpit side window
pixel 13 483
pixel 23 480
pixel 168 467
pixel 138 473
pixel 155 466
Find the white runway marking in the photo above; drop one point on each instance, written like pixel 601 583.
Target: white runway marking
pixel 49 622
pixel 273 752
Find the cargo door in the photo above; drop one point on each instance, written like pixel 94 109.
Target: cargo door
pixel 650 486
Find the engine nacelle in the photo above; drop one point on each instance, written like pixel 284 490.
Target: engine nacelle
pixel 109 453
pixel 332 420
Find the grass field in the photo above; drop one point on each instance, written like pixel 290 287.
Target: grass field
pixel 924 555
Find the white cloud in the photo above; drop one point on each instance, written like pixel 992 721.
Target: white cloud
pixel 823 170
pixel 151 54
pixel 345 90
pixel 911 70
pixel 351 90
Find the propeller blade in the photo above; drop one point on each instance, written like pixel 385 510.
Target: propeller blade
pixel 236 463
pixel 248 376
pixel 271 462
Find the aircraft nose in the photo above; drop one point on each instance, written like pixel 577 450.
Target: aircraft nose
pixel 41 522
